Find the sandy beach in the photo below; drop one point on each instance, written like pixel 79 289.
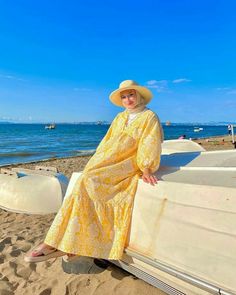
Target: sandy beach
pixel 216 143
pixel 19 232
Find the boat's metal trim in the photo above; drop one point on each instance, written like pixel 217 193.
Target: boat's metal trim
pixel 178 274
pixel 223 292
pixel 148 278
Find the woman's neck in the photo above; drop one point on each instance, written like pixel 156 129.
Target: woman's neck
pixel 137 109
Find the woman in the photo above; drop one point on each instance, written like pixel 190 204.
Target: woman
pixel 94 220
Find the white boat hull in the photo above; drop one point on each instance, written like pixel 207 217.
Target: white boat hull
pixel 183 231
pixel 33 192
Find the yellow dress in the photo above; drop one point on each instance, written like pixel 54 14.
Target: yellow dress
pixel 94 220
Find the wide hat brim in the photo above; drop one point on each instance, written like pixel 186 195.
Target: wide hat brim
pixel 143 91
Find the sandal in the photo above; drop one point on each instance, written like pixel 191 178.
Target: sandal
pixel 44 254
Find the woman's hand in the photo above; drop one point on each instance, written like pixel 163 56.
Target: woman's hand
pixel 148 177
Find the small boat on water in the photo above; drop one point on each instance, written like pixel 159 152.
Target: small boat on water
pixel 50 126
pixel 197 129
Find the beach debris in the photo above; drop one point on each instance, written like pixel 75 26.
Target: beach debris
pixel 46 168
pixel 9 172
pixel 25 171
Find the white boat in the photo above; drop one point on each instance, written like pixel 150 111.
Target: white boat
pixel 50 126
pixel 197 129
pixel 39 191
pixel 183 232
pixel 182 236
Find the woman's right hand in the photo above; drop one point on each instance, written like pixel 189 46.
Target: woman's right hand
pixel 148 177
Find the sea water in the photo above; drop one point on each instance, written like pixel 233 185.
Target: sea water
pixel 31 142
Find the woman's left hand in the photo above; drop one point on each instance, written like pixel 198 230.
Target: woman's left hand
pixel 148 177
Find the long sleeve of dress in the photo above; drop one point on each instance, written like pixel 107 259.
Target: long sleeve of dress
pixel 149 148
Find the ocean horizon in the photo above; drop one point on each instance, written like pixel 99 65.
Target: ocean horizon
pixel 210 123
pixel 24 142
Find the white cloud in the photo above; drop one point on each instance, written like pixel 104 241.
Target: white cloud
pixel 152 82
pixel 155 82
pixel 10 77
pixel 160 86
pixel 181 80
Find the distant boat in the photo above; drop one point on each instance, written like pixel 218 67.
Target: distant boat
pixel 99 123
pixel 168 123
pixel 197 129
pixel 50 126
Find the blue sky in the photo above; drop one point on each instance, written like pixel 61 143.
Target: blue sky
pixel 59 60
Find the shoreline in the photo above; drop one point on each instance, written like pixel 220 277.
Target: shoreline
pixel 68 165
pixel 48 159
pixel 21 231
pixel 65 165
pixel 214 143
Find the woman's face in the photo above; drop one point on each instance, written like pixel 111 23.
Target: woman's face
pixel 129 98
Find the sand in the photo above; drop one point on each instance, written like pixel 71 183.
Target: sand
pixel 19 232
pixel 216 143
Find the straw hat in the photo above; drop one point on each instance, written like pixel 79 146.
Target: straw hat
pixel 126 85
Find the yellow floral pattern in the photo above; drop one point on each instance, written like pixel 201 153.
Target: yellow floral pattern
pixel 94 220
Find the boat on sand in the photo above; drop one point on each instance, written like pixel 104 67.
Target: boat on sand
pixel 38 191
pixel 182 236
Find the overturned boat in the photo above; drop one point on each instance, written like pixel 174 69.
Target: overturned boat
pixel 182 236
pixel 183 232
pixel 38 191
